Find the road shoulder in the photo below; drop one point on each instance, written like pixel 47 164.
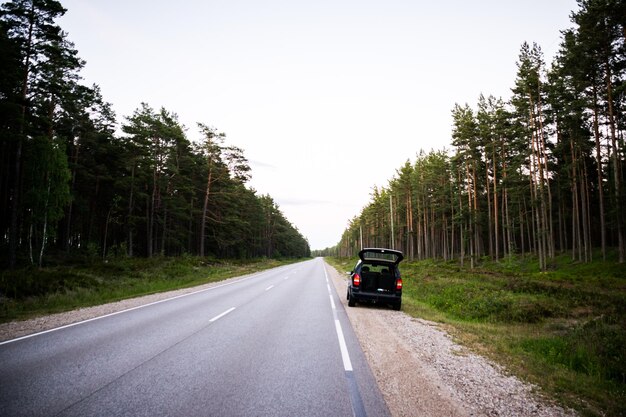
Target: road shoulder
pixel 421 371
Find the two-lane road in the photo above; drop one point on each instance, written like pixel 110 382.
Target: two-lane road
pixel 276 343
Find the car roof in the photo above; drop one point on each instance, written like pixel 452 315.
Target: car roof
pixel 381 255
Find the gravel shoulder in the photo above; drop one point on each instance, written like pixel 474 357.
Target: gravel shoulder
pixel 419 369
pixel 422 372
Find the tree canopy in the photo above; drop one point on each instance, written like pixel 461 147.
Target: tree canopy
pixel 70 183
pixel 542 172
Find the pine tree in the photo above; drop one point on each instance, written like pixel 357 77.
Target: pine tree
pixel 48 73
pixel 466 162
pixel 529 102
pixel 600 41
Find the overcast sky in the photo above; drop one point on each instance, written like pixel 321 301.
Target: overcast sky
pixel 327 98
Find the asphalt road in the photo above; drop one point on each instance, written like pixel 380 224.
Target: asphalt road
pixel 275 343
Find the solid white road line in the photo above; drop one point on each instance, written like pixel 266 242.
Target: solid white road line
pixel 358 409
pixel 219 316
pixel 347 364
pixel 345 356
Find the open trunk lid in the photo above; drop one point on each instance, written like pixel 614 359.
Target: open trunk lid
pixel 380 254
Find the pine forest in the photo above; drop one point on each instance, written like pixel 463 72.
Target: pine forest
pixel 71 183
pixel 541 173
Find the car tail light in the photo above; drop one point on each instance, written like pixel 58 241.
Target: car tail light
pixel 399 284
pixel 356 280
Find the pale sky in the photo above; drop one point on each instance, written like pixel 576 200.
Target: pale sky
pixel 327 98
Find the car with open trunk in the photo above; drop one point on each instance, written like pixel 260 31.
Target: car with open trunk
pixel 376 278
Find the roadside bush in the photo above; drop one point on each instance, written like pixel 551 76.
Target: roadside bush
pixel 476 299
pixel 596 348
pixel 33 282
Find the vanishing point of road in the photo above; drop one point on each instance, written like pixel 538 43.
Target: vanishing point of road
pixel 274 343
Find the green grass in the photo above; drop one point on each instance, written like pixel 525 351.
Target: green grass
pixel 31 292
pixel 564 330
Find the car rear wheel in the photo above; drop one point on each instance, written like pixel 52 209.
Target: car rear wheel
pixel 397 305
pixel 351 300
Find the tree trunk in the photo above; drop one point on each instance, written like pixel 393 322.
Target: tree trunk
pixel 596 133
pixel 496 211
pixel 471 216
pixel 586 216
pixel 490 220
pixel 148 228
pixel 617 166
pixel 17 185
pixel 44 236
pixel 576 240
pixel 205 209
pixel 130 211
pixel 190 227
pixel 106 233
pixel 68 229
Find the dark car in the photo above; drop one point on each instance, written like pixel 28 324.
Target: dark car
pixel 376 278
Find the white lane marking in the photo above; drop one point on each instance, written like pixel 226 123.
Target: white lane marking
pixel 28 336
pixel 219 316
pixel 347 364
pixel 269 288
pixel 286 277
pixel 345 356
pixel 356 402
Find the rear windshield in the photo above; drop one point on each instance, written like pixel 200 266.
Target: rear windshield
pixel 380 268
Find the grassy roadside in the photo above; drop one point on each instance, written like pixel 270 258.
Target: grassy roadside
pixel 30 292
pixel 563 330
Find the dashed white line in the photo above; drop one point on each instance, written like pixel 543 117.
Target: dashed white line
pixel 219 316
pixel 28 336
pixel 269 288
